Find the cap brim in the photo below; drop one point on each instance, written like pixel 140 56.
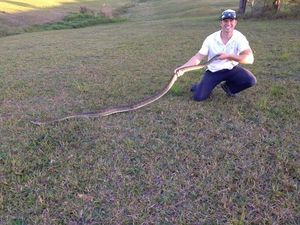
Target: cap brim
pixel 231 18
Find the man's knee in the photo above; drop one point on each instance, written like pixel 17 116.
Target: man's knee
pixel 253 80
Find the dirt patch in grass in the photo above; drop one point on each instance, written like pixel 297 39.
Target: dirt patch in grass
pixel 30 18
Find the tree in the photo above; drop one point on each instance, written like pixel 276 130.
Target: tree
pixel 276 5
pixel 242 8
pixel 271 7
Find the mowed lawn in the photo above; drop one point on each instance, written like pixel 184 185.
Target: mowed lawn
pixel 176 161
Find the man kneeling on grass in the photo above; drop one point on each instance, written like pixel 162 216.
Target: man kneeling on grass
pixel 233 48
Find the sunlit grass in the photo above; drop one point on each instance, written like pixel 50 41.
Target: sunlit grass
pixel 18 16
pixel 22 6
pixel 28 5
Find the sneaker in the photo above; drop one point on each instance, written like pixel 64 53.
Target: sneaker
pixel 193 88
pixel 226 89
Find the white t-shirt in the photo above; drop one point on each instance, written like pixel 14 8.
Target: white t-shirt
pixel 213 45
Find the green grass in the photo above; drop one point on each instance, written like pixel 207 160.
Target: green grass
pixel 75 20
pixel 177 90
pixel 176 161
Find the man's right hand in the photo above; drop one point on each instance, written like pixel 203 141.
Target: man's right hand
pixel 195 60
pixel 178 71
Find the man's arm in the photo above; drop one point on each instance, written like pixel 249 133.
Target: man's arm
pixel 245 57
pixel 194 61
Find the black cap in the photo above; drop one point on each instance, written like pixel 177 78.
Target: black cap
pixel 228 14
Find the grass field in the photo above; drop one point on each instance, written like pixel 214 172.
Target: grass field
pixel 176 161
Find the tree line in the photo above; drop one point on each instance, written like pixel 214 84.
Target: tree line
pixel 273 6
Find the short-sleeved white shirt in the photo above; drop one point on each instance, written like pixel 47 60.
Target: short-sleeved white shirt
pixel 213 45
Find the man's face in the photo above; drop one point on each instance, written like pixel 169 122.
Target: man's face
pixel 228 25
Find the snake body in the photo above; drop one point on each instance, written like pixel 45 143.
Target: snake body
pixel 129 107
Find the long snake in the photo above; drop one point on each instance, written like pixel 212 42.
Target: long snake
pixel 133 106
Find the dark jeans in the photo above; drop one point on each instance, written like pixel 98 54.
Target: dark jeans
pixel 237 79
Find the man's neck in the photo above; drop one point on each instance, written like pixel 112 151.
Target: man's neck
pixel 225 36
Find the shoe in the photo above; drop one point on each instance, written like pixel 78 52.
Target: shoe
pixel 193 88
pixel 226 89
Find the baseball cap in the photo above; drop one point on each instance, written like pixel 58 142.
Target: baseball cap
pixel 228 14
